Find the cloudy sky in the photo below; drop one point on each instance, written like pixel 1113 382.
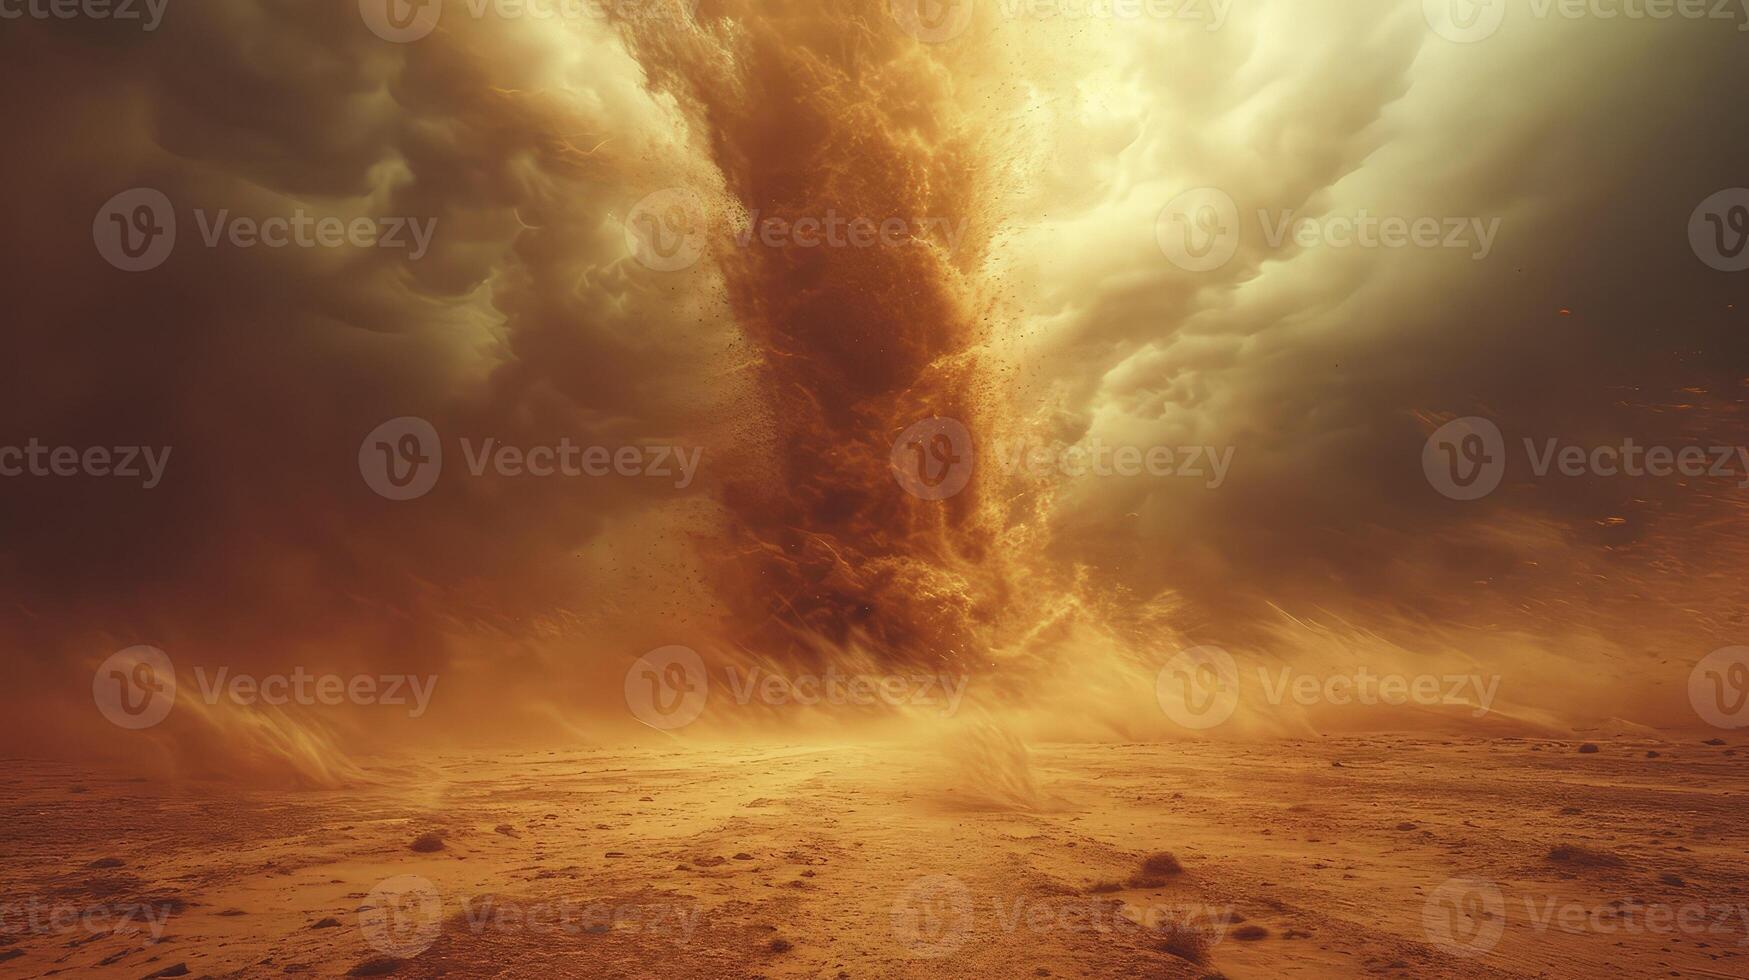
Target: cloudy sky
pixel 1284 242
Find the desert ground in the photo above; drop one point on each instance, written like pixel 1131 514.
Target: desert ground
pixel 1374 856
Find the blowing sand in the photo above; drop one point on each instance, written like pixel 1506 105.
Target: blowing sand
pixel 1357 857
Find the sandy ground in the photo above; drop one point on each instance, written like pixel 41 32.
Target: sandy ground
pixel 1327 859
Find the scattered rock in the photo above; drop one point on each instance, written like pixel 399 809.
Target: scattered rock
pixel 1714 741
pixel 1674 880
pixel 107 863
pixel 504 829
pixel 426 843
pixel 382 966
pixel 1162 863
pixel 1585 857
pixel 709 862
pixel 1252 933
pixel 743 856
pixel 781 946
pixel 327 923
pixel 179 970
pixel 1406 825
pixel 1588 748
pixel 1182 940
